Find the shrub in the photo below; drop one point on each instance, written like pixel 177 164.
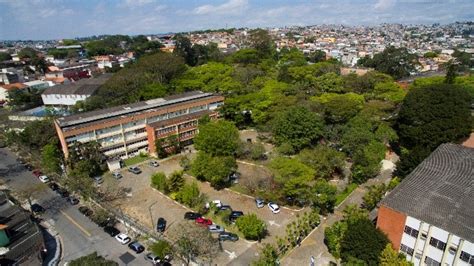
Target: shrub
pixel 190 196
pixel 251 226
pixel 161 248
pixel 158 181
pixel 176 181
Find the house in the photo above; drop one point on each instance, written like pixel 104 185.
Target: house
pixel 36 85
pixel 11 75
pixel 4 89
pixel 66 95
pixel 429 217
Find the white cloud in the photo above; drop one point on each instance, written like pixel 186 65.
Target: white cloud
pixel 230 7
pixel 136 3
pixel 47 12
pixel 382 5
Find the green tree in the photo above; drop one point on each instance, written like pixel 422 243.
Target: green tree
pixel 219 138
pixel 324 160
pixel 184 48
pixel 298 127
pixel 389 91
pixel 28 53
pixel 397 62
pixel 323 196
pixel 92 259
pixel 190 196
pixel 268 256
pixel 160 148
pixel 293 176
pixel 261 41
pixel 191 242
pixel 5 56
pixel 159 181
pixel 215 170
pixel 333 237
pixel 317 56
pixel 389 257
pixel 363 241
pixel 251 226
pixel 161 248
pixel 87 158
pixel 51 158
pixel 175 181
pixel 339 108
pixel 374 196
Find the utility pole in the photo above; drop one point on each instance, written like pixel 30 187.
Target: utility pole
pixel 151 215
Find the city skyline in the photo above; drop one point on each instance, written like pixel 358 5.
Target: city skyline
pixel 56 19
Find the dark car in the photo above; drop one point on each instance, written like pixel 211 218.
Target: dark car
pixel 161 224
pixel 86 211
pixel 37 173
pixel 36 208
pixel 112 231
pixel 135 170
pixel 53 186
pixel 235 214
pixel 28 167
pixel 192 215
pixel 63 192
pixel 137 247
pixel 73 200
pixel 228 236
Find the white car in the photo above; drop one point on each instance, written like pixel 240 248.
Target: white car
pixel 216 203
pixel 123 238
pixel 214 228
pixel 274 207
pixel 43 178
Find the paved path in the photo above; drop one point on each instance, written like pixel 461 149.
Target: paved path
pixel 313 245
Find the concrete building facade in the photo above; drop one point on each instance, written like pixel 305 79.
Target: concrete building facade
pixel 429 216
pixel 127 130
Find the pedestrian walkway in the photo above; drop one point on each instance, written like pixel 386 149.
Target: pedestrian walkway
pixel 313 246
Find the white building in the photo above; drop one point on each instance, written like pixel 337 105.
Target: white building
pixel 430 216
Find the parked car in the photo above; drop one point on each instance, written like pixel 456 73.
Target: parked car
pixel 224 208
pixel 191 215
pixel 98 180
pixel 134 169
pixel 274 207
pixel 28 167
pixel 43 178
pixel 216 203
pixel 203 221
pixel 228 236
pixel 215 228
pixel 86 211
pixel 154 163
pixel 73 200
pixel 155 259
pixel 37 173
pixel 53 186
pixel 123 238
pixel 137 247
pixel 112 231
pixel 234 215
pixel 259 202
pixel 161 224
pixel 62 192
pixel 36 208
pixel 117 175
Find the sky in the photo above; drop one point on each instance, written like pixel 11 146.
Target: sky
pixel 57 19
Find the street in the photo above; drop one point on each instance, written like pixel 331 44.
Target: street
pixel 79 235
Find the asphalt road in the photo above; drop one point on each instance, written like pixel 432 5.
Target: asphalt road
pixel 79 235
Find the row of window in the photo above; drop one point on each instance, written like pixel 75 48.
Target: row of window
pixel 165 130
pixel 406 249
pixel 437 243
pixel 431 262
pixel 464 256
pixel 411 231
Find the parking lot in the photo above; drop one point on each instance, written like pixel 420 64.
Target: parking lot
pixel 147 205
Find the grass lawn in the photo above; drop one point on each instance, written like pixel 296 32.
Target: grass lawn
pixel 240 189
pixel 343 195
pixel 135 160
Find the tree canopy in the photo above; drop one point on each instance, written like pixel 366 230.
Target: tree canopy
pixel 217 138
pixel 396 62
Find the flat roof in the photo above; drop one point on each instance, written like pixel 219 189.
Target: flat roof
pixel 106 113
pixel 440 191
pixel 80 87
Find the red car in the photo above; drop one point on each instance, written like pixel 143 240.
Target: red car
pixel 37 173
pixel 203 221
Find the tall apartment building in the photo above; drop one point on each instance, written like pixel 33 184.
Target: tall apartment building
pixel 125 131
pixel 430 216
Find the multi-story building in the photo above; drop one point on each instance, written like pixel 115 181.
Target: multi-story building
pixel 430 216
pixel 125 131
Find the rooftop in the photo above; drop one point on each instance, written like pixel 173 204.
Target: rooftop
pixel 440 191
pixel 121 110
pixel 80 87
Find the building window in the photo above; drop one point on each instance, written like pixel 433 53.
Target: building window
pixel 406 250
pixel 467 257
pixel 431 262
pixel 411 231
pixel 437 243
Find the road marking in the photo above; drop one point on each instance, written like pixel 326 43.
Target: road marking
pixel 231 254
pixel 76 224
pixel 273 223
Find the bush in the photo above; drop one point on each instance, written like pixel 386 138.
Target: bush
pixel 190 196
pixel 92 259
pixel 251 226
pixel 161 248
pixel 158 181
pixel 175 181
